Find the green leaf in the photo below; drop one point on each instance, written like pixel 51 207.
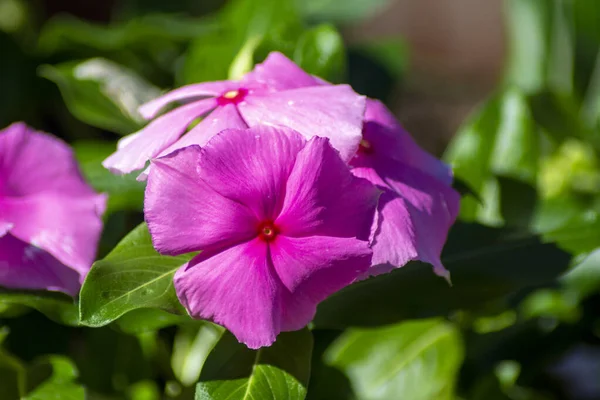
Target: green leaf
pixel 417 360
pixel 60 383
pixel 191 346
pixel 392 54
pixel 320 51
pixel 485 264
pixel 102 93
pixel 145 320
pixel 340 11
pixel 124 192
pixel 266 24
pixel 132 276
pixel 234 372
pixel 500 140
pixel 157 30
pixel 56 306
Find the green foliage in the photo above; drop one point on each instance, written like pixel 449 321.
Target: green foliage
pixel 132 276
pixel 232 371
pixel 124 192
pixel 56 306
pixel 102 93
pixel 485 264
pixel 419 359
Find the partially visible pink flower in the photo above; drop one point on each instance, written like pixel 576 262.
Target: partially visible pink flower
pixel 49 217
pixel 418 206
pixel 281 221
pixel 334 111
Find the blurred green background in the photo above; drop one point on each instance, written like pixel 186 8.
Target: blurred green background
pixel 507 92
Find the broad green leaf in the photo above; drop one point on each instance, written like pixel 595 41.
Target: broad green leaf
pixel 501 139
pixel 234 372
pixel 132 276
pixel 484 263
pixel 53 378
pixel 124 192
pixel 191 346
pixel 320 51
pixel 56 306
pixel 417 360
pixel 102 93
pixel 340 11
pixel 540 45
pixel 584 279
pixel 157 30
pixel 267 24
pixel 145 320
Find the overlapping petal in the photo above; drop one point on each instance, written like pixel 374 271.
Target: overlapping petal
pixel 188 93
pixel 334 112
pixel 388 139
pixel 24 266
pixel 251 166
pixel 134 150
pixel 236 288
pixel 311 269
pixel 416 211
pixel 185 214
pixel 278 72
pixel 324 198
pixel 66 227
pixel 33 162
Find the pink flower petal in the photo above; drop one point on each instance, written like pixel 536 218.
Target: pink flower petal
pixel 334 112
pixel 23 266
pixel 31 162
pixel 235 288
pixel 190 93
pixel 251 166
pixel 223 117
pixel 278 72
pixel 388 138
pixel 415 213
pixel 324 198
pixel 66 227
pixel 311 269
pixel 134 150
pixel 185 214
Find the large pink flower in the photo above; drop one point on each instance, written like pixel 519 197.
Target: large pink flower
pixel 334 111
pixel 418 205
pixel 49 217
pixel 281 221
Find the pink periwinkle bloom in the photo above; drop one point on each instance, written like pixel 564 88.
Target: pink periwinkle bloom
pixel 418 205
pixel 49 217
pixel 281 222
pixel 334 111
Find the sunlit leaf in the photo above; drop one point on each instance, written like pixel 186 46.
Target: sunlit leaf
pixel 234 372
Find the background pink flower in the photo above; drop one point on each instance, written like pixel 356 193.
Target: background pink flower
pixel 49 217
pixel 281 221
pixel 334 111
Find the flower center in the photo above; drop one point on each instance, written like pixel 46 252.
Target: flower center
pixel 267 231
pixel 365 146
pixel 232 97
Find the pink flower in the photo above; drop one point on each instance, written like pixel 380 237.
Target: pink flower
pixel 49 217
pixel 281 221
pixel 334 111
pixel 418 205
